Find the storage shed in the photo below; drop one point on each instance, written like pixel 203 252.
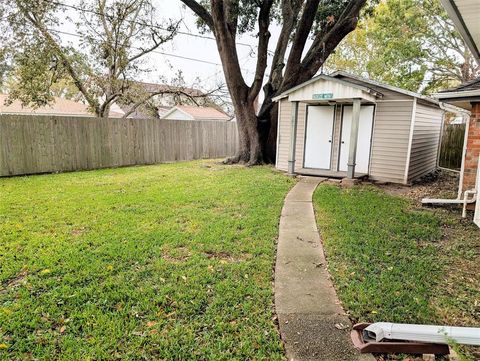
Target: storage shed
pixel 341 125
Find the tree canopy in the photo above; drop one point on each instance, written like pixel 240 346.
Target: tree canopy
pixel 412 44
pixel 114 38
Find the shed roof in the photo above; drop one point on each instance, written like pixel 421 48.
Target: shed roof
pixel 330 78
pixel 365 85
pixel 344 74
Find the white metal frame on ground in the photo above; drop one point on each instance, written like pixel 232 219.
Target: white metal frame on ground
pixel 422 333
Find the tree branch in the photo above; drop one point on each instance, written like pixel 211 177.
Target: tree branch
pixel 200 11
pixel 325 43
pixel 301 35
pixel 262 52
pixel 91 99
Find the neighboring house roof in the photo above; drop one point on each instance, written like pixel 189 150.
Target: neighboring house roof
pixel 463 94
pixel 465 15
pixel 159 90
pixel 59 106
pixel 469 85
pixel 196 113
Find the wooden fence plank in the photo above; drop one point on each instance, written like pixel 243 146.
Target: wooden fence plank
pixel 32 144
pixel 451 149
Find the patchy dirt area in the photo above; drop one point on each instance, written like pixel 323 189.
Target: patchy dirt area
pixel 440 184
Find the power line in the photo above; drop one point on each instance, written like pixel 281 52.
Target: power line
pixel 153 51
pixel 159 52
pixel 77 8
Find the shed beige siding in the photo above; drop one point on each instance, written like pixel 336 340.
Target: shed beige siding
pixel 302 115
pixel 283 135
pixel 391 133
pixel 425 141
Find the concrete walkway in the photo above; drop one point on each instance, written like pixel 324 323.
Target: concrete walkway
pixel 313 325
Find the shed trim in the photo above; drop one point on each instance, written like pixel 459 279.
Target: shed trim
pixel 410 141
pixel 278 135
pixel 383 85
pixel 326 77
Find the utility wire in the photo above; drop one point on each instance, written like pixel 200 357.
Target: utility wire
pixel 153 51
pixel 77 8
pixel 158 52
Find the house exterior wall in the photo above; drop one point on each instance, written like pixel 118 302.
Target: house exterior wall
pixel 178 115
pixel 473 149
pixel 425 141
pixel 391 133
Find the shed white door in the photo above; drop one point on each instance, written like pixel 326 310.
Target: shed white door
pixel 364 138
pixel 318 139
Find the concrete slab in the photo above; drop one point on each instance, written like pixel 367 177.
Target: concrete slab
pixel 305 300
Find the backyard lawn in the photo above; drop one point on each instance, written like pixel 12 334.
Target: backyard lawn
pixel 392 261
pixel 158 262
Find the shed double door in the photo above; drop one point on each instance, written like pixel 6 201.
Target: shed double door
pixel 364 141
pixel 319 136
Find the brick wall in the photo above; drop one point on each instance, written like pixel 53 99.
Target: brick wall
pixel 473 149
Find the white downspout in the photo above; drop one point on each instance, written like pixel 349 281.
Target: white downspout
pixel 464 152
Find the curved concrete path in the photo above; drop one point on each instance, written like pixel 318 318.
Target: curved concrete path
pixel 313 325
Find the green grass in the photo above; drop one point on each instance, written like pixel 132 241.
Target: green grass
pixel 159 262
pixel 393 262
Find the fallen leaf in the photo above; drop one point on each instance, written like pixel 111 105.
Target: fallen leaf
pixel 341 326
pixel 151 323
pixel 45 271
pixel 3 346
pixel 63 329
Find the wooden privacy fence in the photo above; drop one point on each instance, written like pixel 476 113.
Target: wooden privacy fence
pixel 452 146
pixel 40 144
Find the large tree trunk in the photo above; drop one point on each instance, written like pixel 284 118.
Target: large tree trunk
pixel 258 133
pixel 250 149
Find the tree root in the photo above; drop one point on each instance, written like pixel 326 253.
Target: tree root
pixel 236 159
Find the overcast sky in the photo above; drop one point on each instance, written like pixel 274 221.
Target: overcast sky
pixel 207 68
